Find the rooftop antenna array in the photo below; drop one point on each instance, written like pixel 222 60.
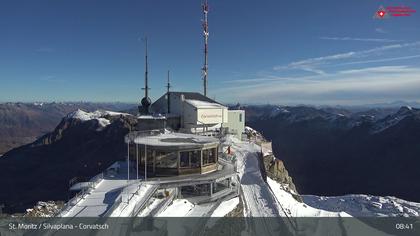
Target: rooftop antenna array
pixel 205 7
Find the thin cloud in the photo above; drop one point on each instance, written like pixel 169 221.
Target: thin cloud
pixel 44 49
pixel 379 60
pixel 361 39
pixel 380 30
pixel 51 78
pixel 314 63
pixel 379 69
pixel 347 86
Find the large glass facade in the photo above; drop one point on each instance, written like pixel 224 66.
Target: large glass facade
pixel 173 161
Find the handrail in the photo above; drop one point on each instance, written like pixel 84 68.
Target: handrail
pixel 134 134
pixel 140 205
pixel 94 181
pixel 164 204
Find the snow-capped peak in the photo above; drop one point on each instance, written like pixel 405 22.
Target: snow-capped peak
pixel 99 115
pixel 408 107
pixel 278 110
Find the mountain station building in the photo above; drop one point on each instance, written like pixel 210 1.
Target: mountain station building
pixel 193 112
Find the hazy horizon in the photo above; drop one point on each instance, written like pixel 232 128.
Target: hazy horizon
pixel 395 104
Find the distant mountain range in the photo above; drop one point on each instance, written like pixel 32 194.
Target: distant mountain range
pixel 337 151
pixel 22 123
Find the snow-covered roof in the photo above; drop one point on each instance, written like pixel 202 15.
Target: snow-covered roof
pixel 175 140
pixel 203 104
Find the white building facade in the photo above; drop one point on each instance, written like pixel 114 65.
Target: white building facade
pixel 236 122
pixel 197 113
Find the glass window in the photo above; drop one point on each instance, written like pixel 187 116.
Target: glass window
pixel 240 117
pixel 141 154
pixel 184 159
pixel 166 160
pixel 195 159
pixel 209 156
pixel 212 155
pixel 205 157
pixel 221 185
pixel 150 155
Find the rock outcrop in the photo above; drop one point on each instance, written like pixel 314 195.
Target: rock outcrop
pixel 76 148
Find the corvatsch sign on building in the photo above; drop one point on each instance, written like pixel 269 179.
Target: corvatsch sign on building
pixel 211 116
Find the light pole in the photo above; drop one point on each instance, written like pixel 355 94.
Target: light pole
pixel 145 162
pixel 137 155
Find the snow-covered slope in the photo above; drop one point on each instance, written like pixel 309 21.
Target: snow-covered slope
pixel 365 205
pixel 294 208
pixel 257 195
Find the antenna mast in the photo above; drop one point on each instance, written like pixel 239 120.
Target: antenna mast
pixel 145 102
pixel 146 73
pixel 206 36
pixel 168 86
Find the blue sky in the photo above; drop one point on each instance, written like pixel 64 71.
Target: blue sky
pixel 287 52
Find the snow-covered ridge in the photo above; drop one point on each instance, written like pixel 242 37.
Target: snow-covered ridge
pixel 99 115
pixel 394 119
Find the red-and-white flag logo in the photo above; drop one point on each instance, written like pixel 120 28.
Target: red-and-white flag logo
pixel 381 13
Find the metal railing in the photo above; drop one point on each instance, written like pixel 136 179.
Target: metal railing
pixel 164 204
pixel 93 182
pixel 129 196
pixel 134 134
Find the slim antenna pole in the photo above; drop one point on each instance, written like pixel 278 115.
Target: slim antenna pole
pixel 168 86
pixel 146 102
pixel 206 36
pixel 146 73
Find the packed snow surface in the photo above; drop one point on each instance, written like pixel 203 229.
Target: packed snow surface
pixel 98 200
pixel 258 197
pixel 179 207
pixel 225 207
